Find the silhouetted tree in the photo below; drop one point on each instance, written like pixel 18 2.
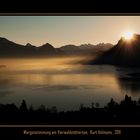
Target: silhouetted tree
pixel 23 106
pixel 10 108
pixel 42 108
pixel 139 101
pixel 53 109
pixel 31 108
pixel 124 112
pixel 92 105
pixel 112 104
pixel 128 104
pixel 81 107
pixel 97 105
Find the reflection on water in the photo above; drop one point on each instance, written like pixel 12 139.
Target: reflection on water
pixel 130 80
pixel 55 82
pixel 5 93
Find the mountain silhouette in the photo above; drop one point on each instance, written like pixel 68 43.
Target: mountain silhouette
pixel 12 49
pixel 9 48
pixel 124 53
pixel 30 45
pixel 46 48
pixel 85 48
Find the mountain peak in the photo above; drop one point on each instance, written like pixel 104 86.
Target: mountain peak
pixel 47 45
pixel 135 38
pixel 3 40
pixel 129 44
pixel 124 53
pixel 28 44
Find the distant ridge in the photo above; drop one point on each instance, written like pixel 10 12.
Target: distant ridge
pixel 85 48
pixel 12 49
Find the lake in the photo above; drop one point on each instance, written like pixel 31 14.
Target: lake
pixel 60 82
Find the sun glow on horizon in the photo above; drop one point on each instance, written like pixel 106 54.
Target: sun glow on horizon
pixel 128 35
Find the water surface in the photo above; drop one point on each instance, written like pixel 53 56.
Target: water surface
pixel 60 83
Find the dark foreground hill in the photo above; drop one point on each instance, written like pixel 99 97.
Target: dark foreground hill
pixel 124 53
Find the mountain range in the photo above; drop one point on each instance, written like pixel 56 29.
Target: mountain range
pixel 12 49
pixel 124 53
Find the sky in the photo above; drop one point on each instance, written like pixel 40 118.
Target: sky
pixel 64 30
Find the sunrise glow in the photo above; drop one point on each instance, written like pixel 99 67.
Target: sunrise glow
pixel 128 35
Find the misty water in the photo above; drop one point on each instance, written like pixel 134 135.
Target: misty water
pixel 60 82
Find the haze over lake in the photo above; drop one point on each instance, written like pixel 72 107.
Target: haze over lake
pixel 61 83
